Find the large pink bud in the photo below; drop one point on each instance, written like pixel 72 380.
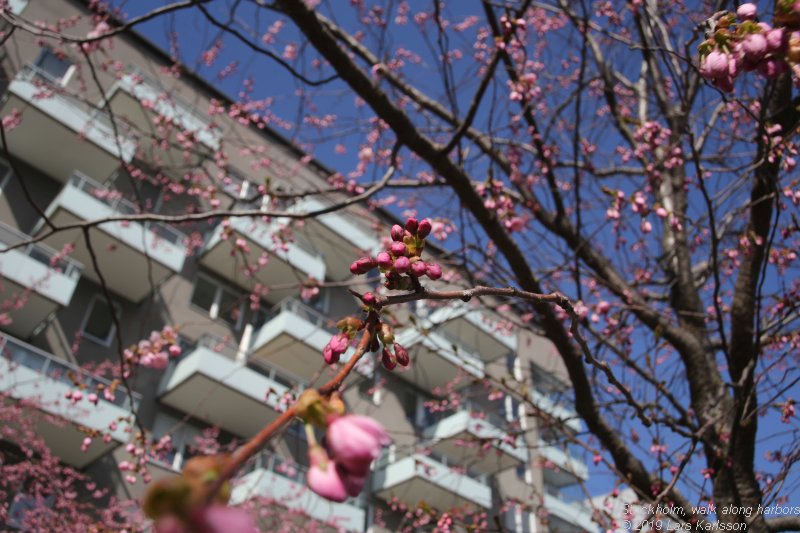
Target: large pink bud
pixel 384 260
pixel 775 40
pixel 746 11
pixel 714 65
pixel 772 68
pixel 354 441
pixel 754 47
pixel 424 228
pixel 398 233
pixel 324 478
pixel 402 264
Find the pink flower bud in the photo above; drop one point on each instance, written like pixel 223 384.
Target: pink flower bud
pixel 335 348
pixel 419 269
pixel 402 265
pixel 369 298
pixel 388 360
pixel 323 476
pixel 363 265
pixel 384 260
pixel 93 398
pixel 424 228
pixel 401 355
pixel 398 248
pixel 754 47
pixel 746 11
pixel 434 271
pixel 175 350
pixel 775 40
pixel 411 225
pixel 715 64
pixel 398 233
pixel 354 441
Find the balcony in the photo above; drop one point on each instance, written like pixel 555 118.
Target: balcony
pixel 472 330
pixel 30 374
pixel 283 485
pixel 36 275
pixel 53 118
pixel 461 436
pixel 129 254
pixel 338 236
pixel 556 409
pixel 575 514
pixel 288 264
pixel 417 477
pixel 143 101
pixel 292 338
pixel 561 467
pixel 213 384
pixel 436 361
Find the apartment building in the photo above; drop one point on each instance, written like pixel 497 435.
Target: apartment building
pixel 121 133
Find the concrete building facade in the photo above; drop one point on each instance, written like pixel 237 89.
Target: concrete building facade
pixel 119 131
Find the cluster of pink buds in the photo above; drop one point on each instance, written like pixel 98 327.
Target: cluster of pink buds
pixel 401 263
pixel 339 468
pixel 383 340
pixel 156 351
pixel 739 43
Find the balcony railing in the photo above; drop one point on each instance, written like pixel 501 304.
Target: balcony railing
pixel 100 117
pixel 304 311
pixel 185 105
pixel 388 457
pixel 481 412
pixel 230 350
pixel 124 207
pixel 48 365
pixel 462 349
pixel 40 252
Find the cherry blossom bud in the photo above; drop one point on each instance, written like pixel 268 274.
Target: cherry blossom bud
pixel 411 225
pixel 369 298
pixel 434 271
pixel 647 227
pixel 93 398
pixel 661 212
pixel 77 396
pixel 754 47
pixel 402 265
pixel 354 441
pixel 775 40
pixel 401 355
pixel 323 477
pixel 715 64
pixel 419 269
pixel 384 260
pixel 398 249
pixel 363 265
pixel 746 11
pixel 388 360
pixel 398 233
pixel 175 350
pixel 424 228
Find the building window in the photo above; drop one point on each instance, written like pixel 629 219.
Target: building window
pixel 220 302
pixel 54 67
pixel 98 325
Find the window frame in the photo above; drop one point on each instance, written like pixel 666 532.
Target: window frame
pixel 213 311
pixel 65 78
pixel 116 310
